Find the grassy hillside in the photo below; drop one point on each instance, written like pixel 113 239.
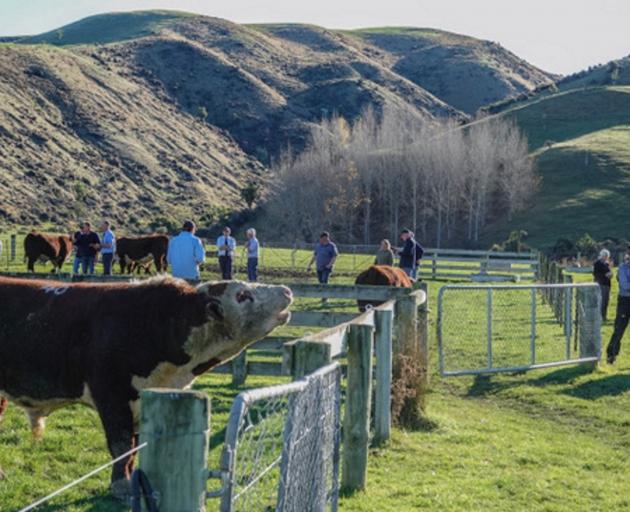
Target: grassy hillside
pixel 108 28
pixel 78 140
pixel 465 72
pixel 150 114
pixel 581 138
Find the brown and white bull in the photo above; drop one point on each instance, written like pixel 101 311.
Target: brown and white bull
pixel 43 247
pixel 101 344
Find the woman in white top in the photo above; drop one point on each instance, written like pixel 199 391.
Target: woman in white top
pixel 252 247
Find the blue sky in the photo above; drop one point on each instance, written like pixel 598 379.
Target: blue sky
pixel 557 35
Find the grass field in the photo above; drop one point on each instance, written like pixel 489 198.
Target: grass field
pixel 581 139
pixel 551 440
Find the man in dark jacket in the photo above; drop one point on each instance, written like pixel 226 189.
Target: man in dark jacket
pixel 623 309
pixel 410 254
pixel 87 243
pixel 602 275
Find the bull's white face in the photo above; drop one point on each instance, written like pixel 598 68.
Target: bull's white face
pixel 240 313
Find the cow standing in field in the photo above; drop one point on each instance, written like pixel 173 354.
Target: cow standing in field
pixel 55 248
pixel 130 250
pixel 382 275
pixel 102 344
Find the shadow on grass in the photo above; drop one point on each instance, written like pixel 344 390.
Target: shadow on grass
pixel 100 503
pixel 421 424
pixel 612 385
pixel 484 385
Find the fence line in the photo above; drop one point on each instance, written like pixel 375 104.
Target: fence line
pixel 294 258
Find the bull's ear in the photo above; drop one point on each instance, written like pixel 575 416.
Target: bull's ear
pixel 214 309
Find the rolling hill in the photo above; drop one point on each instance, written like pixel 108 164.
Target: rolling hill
pixel 465 72
pixel 162 114
pixel 581 138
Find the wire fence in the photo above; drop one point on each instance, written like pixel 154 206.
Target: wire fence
pixel 489 329
pixel 282 446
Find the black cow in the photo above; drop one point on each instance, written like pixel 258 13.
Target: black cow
pixel 131 250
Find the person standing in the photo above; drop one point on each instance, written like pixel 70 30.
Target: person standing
pixel 385 255
pixel 252 247
pixel 324 257
pixel 76 264
pixel 108 247
pixel 185 253
pixel 623 309
pixel 226 246
pixel 602 275
pixel 88 244
pixel 410 254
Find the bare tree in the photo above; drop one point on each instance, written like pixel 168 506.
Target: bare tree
pixel 391 169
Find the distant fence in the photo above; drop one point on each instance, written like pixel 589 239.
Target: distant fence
pixel 293 259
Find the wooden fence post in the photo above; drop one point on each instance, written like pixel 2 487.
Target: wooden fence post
pixel 383 396
pixel 309 356
pixel 356 424
pixel 175 425
pixel 409 342
pixel 13 247
pixel 239 369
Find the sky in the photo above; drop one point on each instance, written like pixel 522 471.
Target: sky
pixel 560 36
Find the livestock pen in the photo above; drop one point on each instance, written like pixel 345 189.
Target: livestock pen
pixel 339 339
pixel 554 439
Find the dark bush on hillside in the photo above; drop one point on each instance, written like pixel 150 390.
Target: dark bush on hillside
pixel 563 248
pixel 587 246
pixel 514 243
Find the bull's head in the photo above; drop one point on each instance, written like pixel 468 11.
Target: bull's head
pixel 240 313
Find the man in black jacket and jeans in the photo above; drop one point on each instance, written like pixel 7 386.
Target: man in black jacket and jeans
pixel 410 254
pixel 87 244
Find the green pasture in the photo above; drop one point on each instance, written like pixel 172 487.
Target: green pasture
pixel 581 140
pixel 547 440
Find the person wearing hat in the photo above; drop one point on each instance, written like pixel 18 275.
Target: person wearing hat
pixel 186 253
pixel 226 247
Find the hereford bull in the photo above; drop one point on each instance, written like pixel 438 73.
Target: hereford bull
pixel 130 249
pixel 55 248
pixel 382 275
pixel 102 344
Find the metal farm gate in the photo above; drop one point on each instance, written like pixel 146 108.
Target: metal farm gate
pixel 282 445
pixel 506 328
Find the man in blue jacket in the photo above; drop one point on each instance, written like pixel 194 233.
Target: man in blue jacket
pixel 410 254
pixel 185 253
pixel 623 309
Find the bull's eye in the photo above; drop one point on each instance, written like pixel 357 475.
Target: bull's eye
pixel 244 295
